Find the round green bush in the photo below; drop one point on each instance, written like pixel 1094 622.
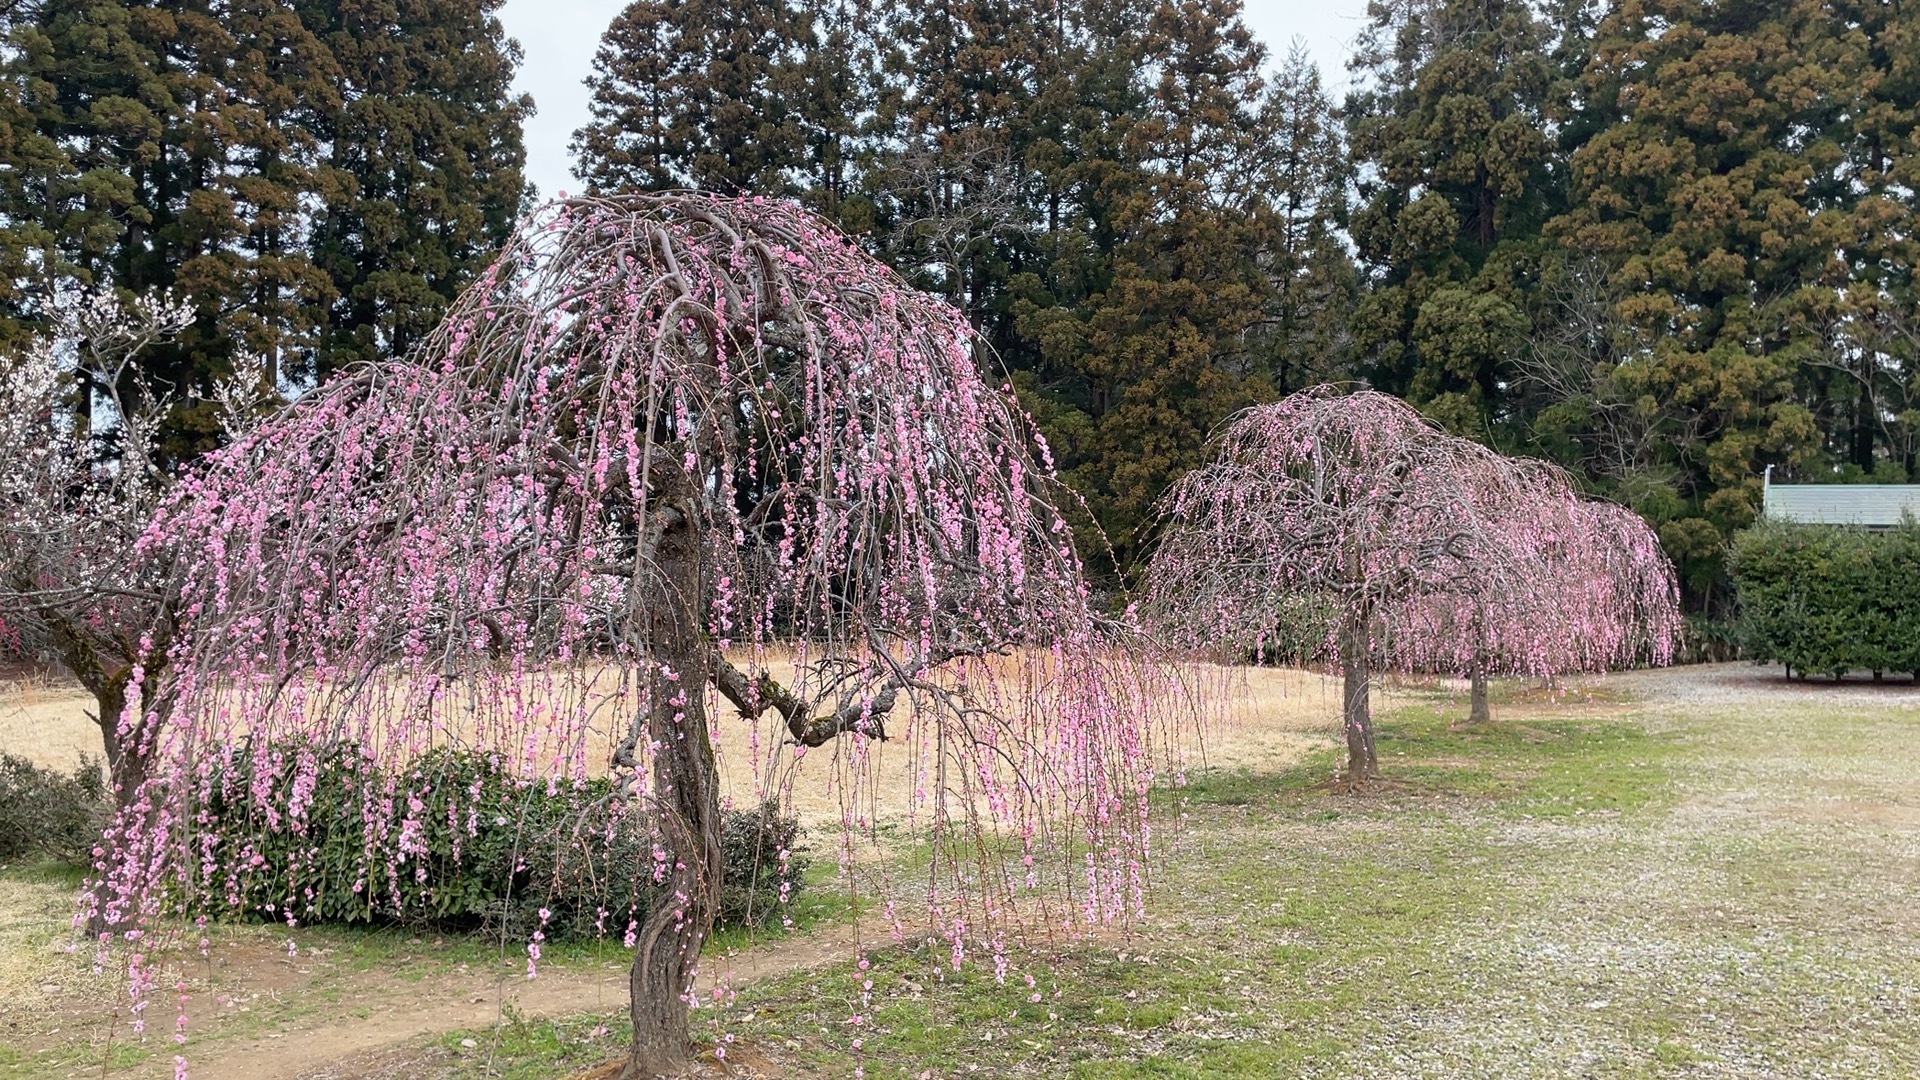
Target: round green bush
pixel 50 813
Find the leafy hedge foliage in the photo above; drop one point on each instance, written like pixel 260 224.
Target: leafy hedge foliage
pixel 457 841
pixel 1708 640
pixel 44 812
pixel 1826 600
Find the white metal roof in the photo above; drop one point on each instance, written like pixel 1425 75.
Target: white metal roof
pixel 1842 504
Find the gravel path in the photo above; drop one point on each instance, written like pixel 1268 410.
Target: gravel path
pixel 1743 683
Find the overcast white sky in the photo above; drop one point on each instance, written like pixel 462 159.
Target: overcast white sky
pixel 559 37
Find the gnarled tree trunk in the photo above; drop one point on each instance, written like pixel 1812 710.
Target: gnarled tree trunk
pixel 129 764
pixel 1362 762
pixel 109 679
pixel 686 789
pixel 128 749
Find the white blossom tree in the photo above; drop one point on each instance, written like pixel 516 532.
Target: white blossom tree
pixel 78 486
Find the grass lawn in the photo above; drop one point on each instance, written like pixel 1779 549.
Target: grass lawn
pixel 1696 886
pixel 258 982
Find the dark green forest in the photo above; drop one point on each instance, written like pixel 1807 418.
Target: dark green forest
pixel 318 177
pixel 1666 243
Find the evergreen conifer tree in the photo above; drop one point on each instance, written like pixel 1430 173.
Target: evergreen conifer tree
pixel 422 176
pixel 701 94
pixel 1449 133
pixel 162 149
pixel 1740 194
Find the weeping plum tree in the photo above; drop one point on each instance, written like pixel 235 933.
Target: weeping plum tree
pixel 1597 590
pixel 1345 527
pixel 669 445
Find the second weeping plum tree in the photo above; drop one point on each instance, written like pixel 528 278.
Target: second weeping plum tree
pixel 669 445
pixel 1346 527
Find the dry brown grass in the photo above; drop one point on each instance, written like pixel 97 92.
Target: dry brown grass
pixel 1271 717
pixel 43 718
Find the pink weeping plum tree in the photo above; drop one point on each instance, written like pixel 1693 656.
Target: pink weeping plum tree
pixel 1345 527
pixel 672 450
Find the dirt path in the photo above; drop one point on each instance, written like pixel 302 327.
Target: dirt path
pixel 332 1047
pixel 337 1049
pixel 255 1012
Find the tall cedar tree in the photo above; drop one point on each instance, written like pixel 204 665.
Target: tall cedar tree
pixel 166 148
pixel 1169 357
pixel 698 94
pixel 1450 135
pixel 35 163
pixel 423 175
pixel 957 209
pixel 1747 197
pixel 1314 285
pixel 317 178
pixel 843 108
pixel 1123 223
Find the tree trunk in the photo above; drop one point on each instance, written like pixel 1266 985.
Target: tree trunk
pixel 686 790
pixel 127 751
pixel 1362 763
pixel 129 758
pixel 108 679
pixel 1477 710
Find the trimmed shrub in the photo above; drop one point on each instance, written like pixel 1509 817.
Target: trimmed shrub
pixel 763 868
pixel 1707 640
pixel 45 812
pixel 1826 600
pixel 455 841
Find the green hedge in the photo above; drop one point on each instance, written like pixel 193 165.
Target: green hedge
pixel 1708 640
pixel 1825 600
pixel 46 812
pixel 455 841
